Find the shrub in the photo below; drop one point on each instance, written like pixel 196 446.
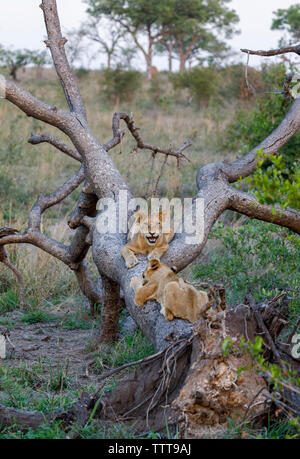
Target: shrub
pixel 250 127
pixel 247 259
pixel 202 83
pixel 121 85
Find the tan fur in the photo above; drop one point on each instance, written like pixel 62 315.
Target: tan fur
pixel 176 297
pixel 142 229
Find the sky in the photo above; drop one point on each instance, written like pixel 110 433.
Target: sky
pixel 22 25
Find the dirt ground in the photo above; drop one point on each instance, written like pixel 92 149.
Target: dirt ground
pixel 52 345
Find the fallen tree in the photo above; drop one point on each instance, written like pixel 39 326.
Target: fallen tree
pixel 198 378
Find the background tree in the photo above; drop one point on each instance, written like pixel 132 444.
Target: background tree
pixel 195 25
pixel 16 59
pixel 288 20
pixel 182 27
pixel 138 18
pixel 76 47
pixel 107 35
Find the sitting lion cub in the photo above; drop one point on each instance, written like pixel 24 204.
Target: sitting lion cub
pixel 147 238
pixel 176 297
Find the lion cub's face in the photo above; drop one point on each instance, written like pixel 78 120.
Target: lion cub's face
pixel 151 229
pixel 156 271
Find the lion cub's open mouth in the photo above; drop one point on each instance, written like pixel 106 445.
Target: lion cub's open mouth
pixel 152 239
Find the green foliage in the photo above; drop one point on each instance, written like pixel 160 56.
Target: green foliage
pixel 75 322
pixel 34 317
pixel 59 377
pixel 188 24
pixel 15 59
pixel 256 257
pixel 81 72
pixel 157 90
pixel 289 21
pixel 129 348
pixel 277 184
pixel 202 83
pixel 121 85
pixel 252 126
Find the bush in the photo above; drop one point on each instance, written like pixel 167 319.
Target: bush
pixel 257 257
pixel 251 127
pixel 202 83
pixel 121 85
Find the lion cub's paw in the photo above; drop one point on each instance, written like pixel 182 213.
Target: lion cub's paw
pixel 131 262
pixel 153 256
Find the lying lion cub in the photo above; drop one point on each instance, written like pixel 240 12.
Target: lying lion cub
pixel 147 238
pixel 176 297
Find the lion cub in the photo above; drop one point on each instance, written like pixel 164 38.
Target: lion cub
pixel 176 297
pixel 147 238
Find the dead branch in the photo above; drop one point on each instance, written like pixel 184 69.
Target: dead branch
pixel 41 138
pixel 56 44
pixel 250 300
pixel 33 233
pixel 274 52
pixel 248 205
pixel 118 135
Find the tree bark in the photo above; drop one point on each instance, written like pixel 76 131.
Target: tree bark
pixel 170 58
pixel 149 58
pixel 110 310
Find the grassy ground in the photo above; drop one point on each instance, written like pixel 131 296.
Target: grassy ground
pixel 54 358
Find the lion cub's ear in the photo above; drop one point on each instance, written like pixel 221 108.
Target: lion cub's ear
pixel 139 216
pixel 162 215
pixel 154 264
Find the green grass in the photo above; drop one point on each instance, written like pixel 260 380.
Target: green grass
pixel 129 348
pixel 76 322
pixel 276 430
pixel 254 257
pixel 34 317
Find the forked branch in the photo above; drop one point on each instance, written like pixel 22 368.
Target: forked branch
pixel 134 130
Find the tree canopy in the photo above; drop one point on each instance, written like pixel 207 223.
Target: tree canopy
pixel 190 25
pixel 289 21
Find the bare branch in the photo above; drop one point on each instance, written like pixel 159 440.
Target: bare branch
pixel 274 52
pixel 56 44
pixel 41 138
pixel 32 106
pixel 257 314
pixel 248 205
pixel 33 235
pixel 45 201
pixel 118 135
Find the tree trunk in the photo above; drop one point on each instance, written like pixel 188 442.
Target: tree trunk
pixel 170 51
pixel 182 58
pixel 13 72
pixel 149 58
pixel 110 310
pixel 108 61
